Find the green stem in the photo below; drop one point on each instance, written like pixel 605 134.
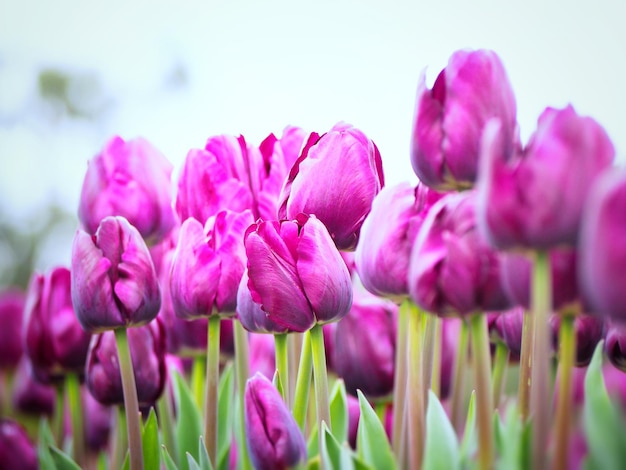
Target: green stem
pixel 121 439
pixel 482 381
pixel 415 387
pixel 72 386
pixel 197 380
pixel 212 381
pixel 321 380
pixel 294 346
pixel 282 363
pixel 499 371
pixel 429 353
pixel 399 385
pixel 131 405
pixel 242 370
pixel 435 381
pixel 458 383
pixel 57 419
pixel 540 396
pixel 303 382
pixel 166 423
pixel 525 365
pixel 567 353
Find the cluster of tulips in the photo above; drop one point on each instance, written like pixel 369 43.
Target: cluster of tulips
pixel 282 308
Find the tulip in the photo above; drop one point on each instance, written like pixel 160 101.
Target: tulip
pixel 129 179
pixel 296 274
pixel 147 348
pixel 53 338
pixel 354 416
pixel 387 236
pixel 11 316
pixel 252 317
pixel 449 118
pixel 98 424
pixel 272 435
pixel 29 395
pixel 262 355
pixel 365 346
pixel 335 178
pixel 589 331
pixel 449 344
pixel 452 270
pixel 602 273
pixel 16 449
pixel 114 283
pixel 509 326
pixel 534 198
pixel 615 346
pixel 208 265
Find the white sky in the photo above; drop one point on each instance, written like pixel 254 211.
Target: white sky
pixel 253 67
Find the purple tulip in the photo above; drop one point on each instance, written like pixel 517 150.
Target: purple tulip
pixel 534 198
pixel 12 303
pixel 354 416
pixel 273 437
pixel 452 270
pixel 589 332
pixel 208 265
pixel 262 355
pixel 252 317
pixel 449 119
pixel 365 346
pixel 114 283
pixel 615 345
pixel 509 326
pixel 53 338
pixel 147 349
pixel 16 448
pixel 98 422
pixel 602 273
pixel 129 179
pixel 296 274
pixel 29 395
pixel 387 236
pixel 336 179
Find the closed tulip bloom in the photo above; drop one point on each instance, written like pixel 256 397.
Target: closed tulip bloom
pixel 29 395
pixel 11 317
pixel 296 274
pixel 147 349
pixel 602 273
pixel 509 327
pixel 16 448
pixel 208 265
pixel 387 236
pixel 131 179
pixel 335 178
pixel 54 340
pixel 449 118
pixel 615 345
pixel 589 332
pixel 365 346
pixel 452 270
pixel 534 198
pixel 273 437
pixel 114 283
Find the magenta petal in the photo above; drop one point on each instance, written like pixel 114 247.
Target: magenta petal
pixel 251 315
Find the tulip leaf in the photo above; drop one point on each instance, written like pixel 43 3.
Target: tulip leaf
pixel 603 421
pixel 167 459
pixel 513 439
pixel 188 424
pixel 334 455
pixel 43 446
pixel 191 462
pixel 278 383
pixel 441 449
pixel 314 463
pixel 312 446
pixel 62 461
pixel 224 415
pixel 469 443
pixel 372 442
pixel 205 461
pixel 339 411
pixel 103 461
pixel 150 442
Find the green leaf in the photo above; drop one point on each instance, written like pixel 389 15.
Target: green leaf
pixel 46 440
pixel 469 443
pixel 312 447
pixel 603 421
pixel 314 463
pixel 372 443
pixel 225 416
pixel 167 459
pixel 103 461
pixel 339 411
pixel 62 461
pixel 191 462
pixel 441 449
pixel 150 442
pixel 278 383
pixel 188 423
pixel 334 455
pixel 205 461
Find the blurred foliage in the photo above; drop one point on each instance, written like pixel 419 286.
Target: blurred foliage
pixel 75 94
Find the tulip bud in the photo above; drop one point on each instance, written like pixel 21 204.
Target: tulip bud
pixel 615 346
pixel 296 274
pixel 450 328
pixel 11 316
pixel 387 236
pixel 114 283
pixel 589 332
pixel 147 350
pixel 273 437
pixel 509 327
pixel 534 199
pixel 602 273
pixel 452 270
pixel 29 395
pixel 320 184
pixel 449 119
pixel 129 179
pixel 54 340
pixel 16 449
pixel 208 265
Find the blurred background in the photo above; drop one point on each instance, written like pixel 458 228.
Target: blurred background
pixel 73 73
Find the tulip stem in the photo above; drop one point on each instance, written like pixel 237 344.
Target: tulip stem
pixel 242 370
pixel 131 404
pixel 197 380
pixel 458 384
pixel 429 353
pixel 399 385
pixel 303 382
pixel 212 381
pixel 499 371
pixel 282 364
pixel 415 386
pixel 525 362
pixel 540 396
pixel 57 420
pixel 435 380
pixel 482 381
pixel 72 386
pixel 321 380
pixel 567 353
pixel 166 425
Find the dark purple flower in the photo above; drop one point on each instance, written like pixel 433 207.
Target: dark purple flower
pixel 12 303
pixel 509 327
pixel 615 346
pixel 589 331
pixel 16 449
pixel 29 395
